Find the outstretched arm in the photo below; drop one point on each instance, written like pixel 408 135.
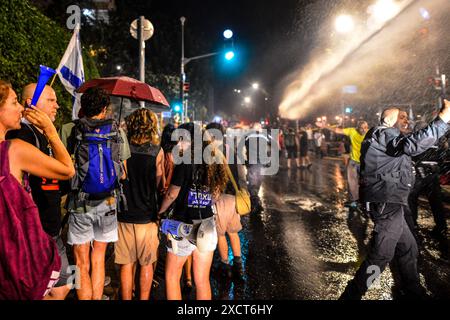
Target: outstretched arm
pixel 422 140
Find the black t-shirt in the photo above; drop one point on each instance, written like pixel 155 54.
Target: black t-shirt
pixel 46 193
pixel 140 186
pixel 193 202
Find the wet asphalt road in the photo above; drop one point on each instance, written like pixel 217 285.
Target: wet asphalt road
pixel 306 245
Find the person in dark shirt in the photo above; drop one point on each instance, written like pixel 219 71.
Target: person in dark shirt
pixel 386 182
pixel 138 232
pixel 46 193
pixel 194 186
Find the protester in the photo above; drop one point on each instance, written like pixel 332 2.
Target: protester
pixel 227 219
pixel 310 135
pixel 292 143
pixel 138 232
pixel 97 144
pixel 305 162
pixel 18 159
pixel 256 144
pixel 167 144
pixel 193 188
pixel 319 137
pixel 356 136
pixel 386 182
pixel 46 192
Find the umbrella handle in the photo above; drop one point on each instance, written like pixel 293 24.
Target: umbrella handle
pixel 120 112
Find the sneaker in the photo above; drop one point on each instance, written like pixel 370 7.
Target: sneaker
pixel 105 298
pixel 107 281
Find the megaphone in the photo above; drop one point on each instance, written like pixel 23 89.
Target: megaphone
pixel 45 74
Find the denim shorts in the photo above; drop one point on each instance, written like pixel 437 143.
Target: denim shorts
pixel 96 221
pixel 206 239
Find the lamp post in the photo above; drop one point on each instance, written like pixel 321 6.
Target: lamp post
pixel 228 34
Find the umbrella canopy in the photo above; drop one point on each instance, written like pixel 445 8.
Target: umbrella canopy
pixel 126 87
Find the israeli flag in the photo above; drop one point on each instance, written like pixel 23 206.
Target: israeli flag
pixel 71 71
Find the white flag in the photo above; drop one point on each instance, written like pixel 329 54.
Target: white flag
pixel 71 71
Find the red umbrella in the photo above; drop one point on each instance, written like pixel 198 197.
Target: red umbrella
pixel 126 87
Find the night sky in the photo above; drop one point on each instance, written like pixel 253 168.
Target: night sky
pixel 263 37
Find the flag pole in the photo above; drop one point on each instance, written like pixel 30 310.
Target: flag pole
pixel 53 80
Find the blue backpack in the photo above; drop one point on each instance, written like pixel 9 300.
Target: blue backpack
pixel 97 158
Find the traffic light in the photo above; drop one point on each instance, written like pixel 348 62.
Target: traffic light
pixel 177 108
pixel 229 53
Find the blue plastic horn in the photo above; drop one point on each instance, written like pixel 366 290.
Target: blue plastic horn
pixel 45 75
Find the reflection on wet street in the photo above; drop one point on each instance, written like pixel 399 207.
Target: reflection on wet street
pixel 307 245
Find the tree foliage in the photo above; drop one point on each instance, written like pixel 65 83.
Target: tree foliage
pixel 28 39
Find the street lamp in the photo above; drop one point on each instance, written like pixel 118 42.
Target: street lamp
pixel 344 24
pixel 247 100
pixel 255 86
pixel 383 11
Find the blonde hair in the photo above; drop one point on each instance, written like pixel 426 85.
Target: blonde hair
pixel 142 127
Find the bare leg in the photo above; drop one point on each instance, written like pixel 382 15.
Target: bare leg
pixel 81 253
pixel 223 248
pixel 146 280
pixel 174 269
pixel 202 268
pixel 235 244
pixel 188 269
pixel 126 281
pixel 98 269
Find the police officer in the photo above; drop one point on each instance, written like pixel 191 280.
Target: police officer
pixel 386 181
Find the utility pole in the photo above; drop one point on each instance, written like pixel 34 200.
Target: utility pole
pixel 183 74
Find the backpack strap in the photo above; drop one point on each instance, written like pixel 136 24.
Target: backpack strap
pixel 101 136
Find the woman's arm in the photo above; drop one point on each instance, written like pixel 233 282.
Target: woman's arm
pixel 24 157
pixel 62 167
pixel 160 169
pixel 170 198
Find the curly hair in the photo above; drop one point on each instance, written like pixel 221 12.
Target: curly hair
pixel 142 127
pixel 4 91
pixel 212 176
pixel 93 101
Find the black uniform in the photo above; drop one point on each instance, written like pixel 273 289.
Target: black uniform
pixel 386 180
pixel 428 169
